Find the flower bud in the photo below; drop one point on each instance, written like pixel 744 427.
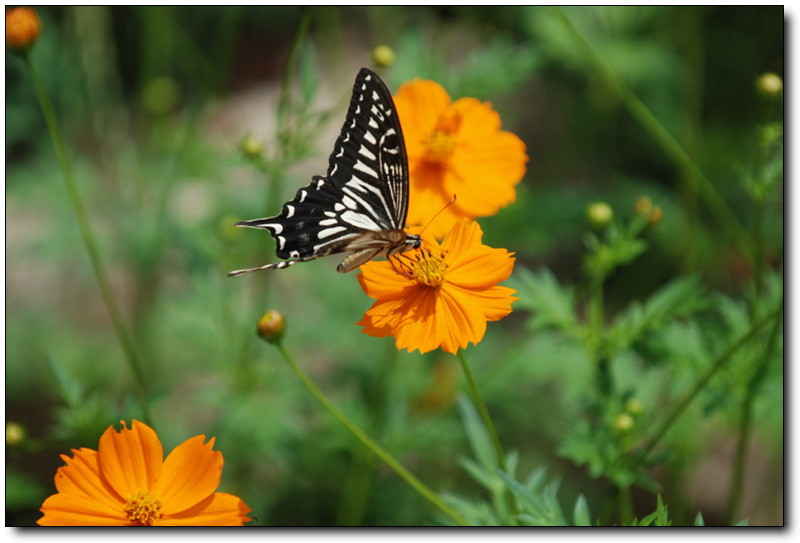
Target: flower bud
pixel 643 205
pixel 770 84
pixel 271 326
pixel 655 216
pixel 251 146
pixel 22 28
pixel 623 422
pixel 634 406
pixel 599 214
pixel 383 56
pixel 15 434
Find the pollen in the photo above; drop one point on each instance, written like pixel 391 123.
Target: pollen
pixel 143 508
pixel 428 269
pixel 440 143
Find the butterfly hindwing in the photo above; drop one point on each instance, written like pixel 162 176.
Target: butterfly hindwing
pixel 361 204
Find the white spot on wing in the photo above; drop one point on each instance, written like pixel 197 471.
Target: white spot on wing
pixel 363 151
pixel 328 232
pixel 360 166
pixel 290 211
pixel 359 220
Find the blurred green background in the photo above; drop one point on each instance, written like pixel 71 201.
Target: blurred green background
pixel 155 102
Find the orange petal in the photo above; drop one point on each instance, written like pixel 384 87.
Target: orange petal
pixel 191 473
pixel 219 509
pixel 130 460
pixel 419 104
pixel 379 280
pixel 494 302
pixel 81 477
pixel 76 510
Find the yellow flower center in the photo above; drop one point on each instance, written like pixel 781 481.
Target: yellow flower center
pixel 440 143
pixel 143 508
pixel 428 269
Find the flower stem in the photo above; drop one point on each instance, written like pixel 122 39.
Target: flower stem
pixel 418 485
pixel 745 425
pixel 487 421
pixel 721 361
pixel 88 237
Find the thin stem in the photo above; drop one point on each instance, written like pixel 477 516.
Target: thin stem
pixel 418 485
pixel 663 138
pixel 721 361
pixel 745 425
pixel 487 421
pixel 88 237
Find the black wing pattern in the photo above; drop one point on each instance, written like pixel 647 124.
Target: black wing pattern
pixel 361 205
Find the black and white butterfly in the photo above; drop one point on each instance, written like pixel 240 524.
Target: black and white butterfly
pixel 360 207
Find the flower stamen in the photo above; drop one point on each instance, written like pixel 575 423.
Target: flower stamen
pixel 440 143
pixel 428 269
pixel 143 508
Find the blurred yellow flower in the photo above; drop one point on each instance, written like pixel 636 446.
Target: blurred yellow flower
pixel 127 482
pixel 22 27
pixel 455 148
pixel 438 295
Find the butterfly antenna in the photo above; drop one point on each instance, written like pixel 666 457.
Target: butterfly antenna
pixel 448 204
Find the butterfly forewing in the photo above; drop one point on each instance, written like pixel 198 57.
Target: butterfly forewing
pixel 361 204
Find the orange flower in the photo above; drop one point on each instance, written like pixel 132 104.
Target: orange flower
pixel 442 296
pixel 22 27
pixel 455 148
pixel 127 483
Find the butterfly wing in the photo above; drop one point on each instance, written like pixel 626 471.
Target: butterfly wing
pixel 364 196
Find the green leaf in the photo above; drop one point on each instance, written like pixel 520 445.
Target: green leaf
pixel 698 520
pixel 678 298
pixel 551 304
pixel 540 507
pixel 477 434
pixel 580 513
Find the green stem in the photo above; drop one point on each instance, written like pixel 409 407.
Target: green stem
pixel 745 425
pixel 487 421
pixel 663 138
pixel 721 361
pixel 418 485
pixel 88 237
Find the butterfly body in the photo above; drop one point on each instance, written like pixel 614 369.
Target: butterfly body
pixel 360 206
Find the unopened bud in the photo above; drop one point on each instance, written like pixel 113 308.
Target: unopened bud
pixel 22 28
pixel 634 406
pixel 271 326
pixel 599 214
pixel 251 146
pixel 15 434
pixel 383 56
pixel 623 422
pixel 770 84
pixel 643 205
pixel 655 216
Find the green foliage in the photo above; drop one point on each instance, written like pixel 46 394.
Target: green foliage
pixel 637 350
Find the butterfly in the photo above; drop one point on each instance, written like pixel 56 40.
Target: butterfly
pixel 360 206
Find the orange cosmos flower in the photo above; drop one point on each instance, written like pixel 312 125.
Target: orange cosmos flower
pixel 442 296
pixel 127 482
pixel 455 148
